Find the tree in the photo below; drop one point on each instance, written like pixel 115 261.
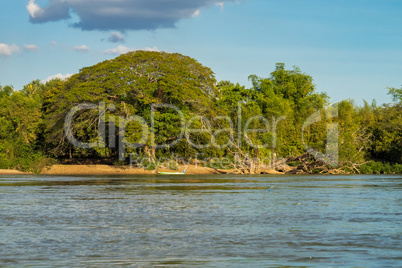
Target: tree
pixel 396 94
pixel 20 125
pixel 387 131
pixel 6 91
pixel 132 83
pixel 288 94
pixel 33 88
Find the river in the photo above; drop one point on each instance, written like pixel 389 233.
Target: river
pixel 201 221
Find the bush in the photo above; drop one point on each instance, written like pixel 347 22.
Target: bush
pixel 119 163
pixel 374 167
pixel 21 156
pixel 173 165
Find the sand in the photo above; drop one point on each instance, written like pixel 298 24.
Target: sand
pixel 124 170
pixel 12 172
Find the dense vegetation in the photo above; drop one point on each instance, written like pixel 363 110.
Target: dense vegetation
pixel 138 97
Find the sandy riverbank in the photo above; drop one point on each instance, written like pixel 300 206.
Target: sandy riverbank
pixel 116 170
pixel 124 170
pixel 12 172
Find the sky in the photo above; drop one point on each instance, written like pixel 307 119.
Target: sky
pixel 351 48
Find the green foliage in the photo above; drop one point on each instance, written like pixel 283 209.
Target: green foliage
pixel 131 83
pixel 119 163
pixel 351 135
pixel 374 167
pixel 278 106
pixel 147 164
pixel 20 123
pixel 288 98
pixel 396 94
pixel 19 155
pixel 6 91
pixel 173 165
pixel 387 134
pixel 294 163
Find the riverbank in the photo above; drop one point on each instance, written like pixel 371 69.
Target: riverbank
pixel 12 172
pixel 126 170
pixel 117 170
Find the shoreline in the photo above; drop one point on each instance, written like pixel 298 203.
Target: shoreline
pixel 126 170
pixel 13 172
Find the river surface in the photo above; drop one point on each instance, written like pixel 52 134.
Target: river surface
pixel 201 221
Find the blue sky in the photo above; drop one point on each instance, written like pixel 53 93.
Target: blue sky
pixel 353 49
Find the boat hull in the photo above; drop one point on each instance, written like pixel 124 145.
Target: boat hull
pixel 171 173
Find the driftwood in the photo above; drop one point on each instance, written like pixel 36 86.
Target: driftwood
pixel 309 164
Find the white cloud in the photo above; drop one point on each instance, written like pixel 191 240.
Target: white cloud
pixel 196 13
pixel 118 50
pixel 33 48
pixel 54 11
pixel 221 5
pixel 123 49
pixel 34 10
pixel 150 49
pixel 60 76
pixel 82 48
pixel 8 50
pixel 120 15
pixel 116 37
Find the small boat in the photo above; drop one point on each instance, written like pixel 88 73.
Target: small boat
pixel 172 173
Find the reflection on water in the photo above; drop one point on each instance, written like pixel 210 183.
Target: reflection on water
pixel 219 221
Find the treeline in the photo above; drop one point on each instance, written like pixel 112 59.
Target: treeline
pixel 156 104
